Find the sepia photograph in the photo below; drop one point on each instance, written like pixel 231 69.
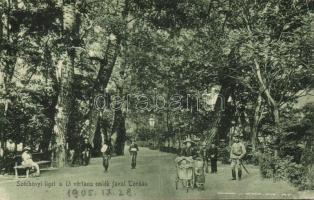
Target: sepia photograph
pixel 156 99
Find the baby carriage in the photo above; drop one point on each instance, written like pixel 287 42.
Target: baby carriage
pixel 185 172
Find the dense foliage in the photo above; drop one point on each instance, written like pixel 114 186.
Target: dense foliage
pixel 253 61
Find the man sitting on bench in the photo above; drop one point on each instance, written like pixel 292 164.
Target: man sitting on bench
pixel 28 162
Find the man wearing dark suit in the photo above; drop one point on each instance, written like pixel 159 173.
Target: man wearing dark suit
pixel 213 154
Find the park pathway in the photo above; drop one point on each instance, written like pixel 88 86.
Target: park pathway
pixel 154 178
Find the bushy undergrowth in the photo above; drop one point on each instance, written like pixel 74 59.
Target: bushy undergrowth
pixel 224 155
pixel 284 169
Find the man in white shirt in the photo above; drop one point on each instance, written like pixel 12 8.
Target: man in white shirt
pixel 236 154
pixel 133 149
pixel 106 154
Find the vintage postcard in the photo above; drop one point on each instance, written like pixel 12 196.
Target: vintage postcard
pixel 156 99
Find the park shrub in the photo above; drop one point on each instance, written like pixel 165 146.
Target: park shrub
pixel 267 166
pixel 143 143
pixel 295 174
pixel 224 155
pixel 308 180
pixel 284 169
pixel 252 158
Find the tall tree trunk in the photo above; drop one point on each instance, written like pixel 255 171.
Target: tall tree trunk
pixel 100 137
pixel 72 128
pixel 256 119
pixel 48 132
pixel 119 130
pixel 104 74
pixel 220 103
pixel 8 69
pixel 118 127
pixel 65 74
pixel 63 108
pixel 271 101
pixel 49 102
pixel 119 115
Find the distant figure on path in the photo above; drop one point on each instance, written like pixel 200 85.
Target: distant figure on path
pixel 28 162
pixel 106 154
pixel 213 155
pixel 205 155
pixel 133 152
pixel 2 160
pixel 86 148
pixel 1 152
pixel 236 154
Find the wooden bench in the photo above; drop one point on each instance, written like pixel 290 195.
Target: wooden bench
pixel 36 156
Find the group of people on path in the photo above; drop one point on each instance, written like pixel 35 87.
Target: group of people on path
pixel 106 151
pixel 209 154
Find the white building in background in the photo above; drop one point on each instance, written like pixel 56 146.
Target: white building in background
pixel 20 147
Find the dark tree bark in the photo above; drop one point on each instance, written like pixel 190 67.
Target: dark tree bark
pixel 7 71
pixel 256 120
pixel 63 111
pixel 104 74
pixel 119 129
pixel 65 71
pixel 219 109
pixel 49 102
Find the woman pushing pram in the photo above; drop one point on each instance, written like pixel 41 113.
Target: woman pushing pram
pixel 190 166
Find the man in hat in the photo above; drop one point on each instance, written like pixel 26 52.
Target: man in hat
pixel 189 150
pixel 237 152
pixel 28 161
